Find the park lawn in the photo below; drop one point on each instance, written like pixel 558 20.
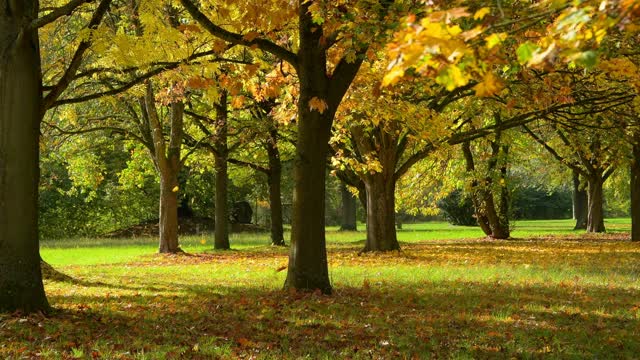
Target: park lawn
pixel 550 292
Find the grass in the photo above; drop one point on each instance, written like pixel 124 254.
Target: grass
pixel 550 293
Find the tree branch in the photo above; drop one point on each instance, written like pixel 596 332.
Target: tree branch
pixel 57 13
pixel 236 38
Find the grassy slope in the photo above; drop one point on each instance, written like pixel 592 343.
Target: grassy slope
pixel 552 292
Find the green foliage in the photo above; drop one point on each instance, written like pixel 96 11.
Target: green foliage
pixel 533 203
pixel 457 209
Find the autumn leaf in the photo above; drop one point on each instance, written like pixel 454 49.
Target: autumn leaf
pixel 489 86
pixel 251 35
pixel 318 104
pixel 480 14
pixel 393 76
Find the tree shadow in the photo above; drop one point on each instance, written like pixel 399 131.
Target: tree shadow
pixel 379 319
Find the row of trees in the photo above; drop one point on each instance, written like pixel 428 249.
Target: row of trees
pixel 387 95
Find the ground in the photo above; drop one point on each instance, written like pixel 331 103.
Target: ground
pixel 448 294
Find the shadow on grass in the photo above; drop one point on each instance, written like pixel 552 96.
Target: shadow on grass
pixel 380 320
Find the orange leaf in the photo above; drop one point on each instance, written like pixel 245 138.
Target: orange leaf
pixel 318 104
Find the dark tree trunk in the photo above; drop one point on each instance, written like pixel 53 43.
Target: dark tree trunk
pixel 595 218
pixel 168 214
pixel 275 192
pixel 221 237
pixel 21 287
pixel 308 267
pixel 635 193
pixel 580 203
pixel 349 221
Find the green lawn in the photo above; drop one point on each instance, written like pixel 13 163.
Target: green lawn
pixel 549 293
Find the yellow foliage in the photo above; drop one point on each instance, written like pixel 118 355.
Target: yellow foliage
pixel 489 86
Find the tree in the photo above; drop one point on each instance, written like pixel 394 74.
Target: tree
pixel 21 285
pixel 322 86
pixel 23 105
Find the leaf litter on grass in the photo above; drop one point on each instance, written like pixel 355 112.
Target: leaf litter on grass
pixel 448 299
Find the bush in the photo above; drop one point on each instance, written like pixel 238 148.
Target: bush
pixel 457 209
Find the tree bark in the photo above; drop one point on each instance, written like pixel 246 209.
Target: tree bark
pixel 274 178
pixel 635 193
pixel 308 268
pixel 21 287
pixel 580 203
pixel 381 216
pixel 595 219
pixel 349 221
pixel 380 186
pixel 168 214
pixel 168 163
pixel 221 240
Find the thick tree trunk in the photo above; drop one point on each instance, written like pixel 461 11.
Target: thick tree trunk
pixel 275 191
pixel 595 218
pixel 308 268
pixel 381 216
pixel 21 287
pixel 168 214
pixel 349 221
pixel 635 193
pixel 580 203
pixel 221 236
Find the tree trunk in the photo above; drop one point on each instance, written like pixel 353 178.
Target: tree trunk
pixel 21 287
pixel 168 214
pixel 349 221
pixel 493 220
pixel 635 193
pixel 580 202
pixel 381 216
pixel 308 268
pixel 221 240
pixel 275 191
pixel 595 218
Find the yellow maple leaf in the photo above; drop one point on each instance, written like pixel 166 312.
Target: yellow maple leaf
pixel 489 86
pixel 318 104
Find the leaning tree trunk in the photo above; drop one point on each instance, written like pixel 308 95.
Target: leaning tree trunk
pixel 635 193
pixel 492 220
pixel 580 203
pixel 21 287
pixel 349 221
pixel 275 191
pixel 595 218
pixel 221 236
